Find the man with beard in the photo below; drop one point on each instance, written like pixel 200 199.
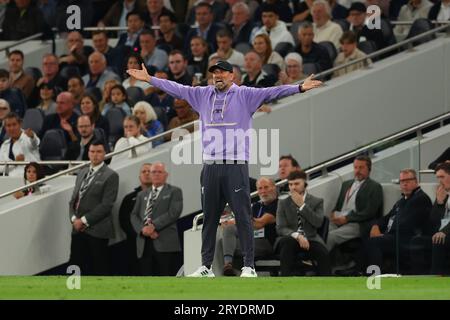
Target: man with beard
pixel 225 108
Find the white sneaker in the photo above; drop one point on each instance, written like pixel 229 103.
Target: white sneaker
pixel 248 272
pixel 202 272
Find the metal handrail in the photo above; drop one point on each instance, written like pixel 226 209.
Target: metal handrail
pixel 108 156
pixel 17 163
pixel 16 43
pixel 410 22
pixel 426 171
pixel 382 51
pixel 323 166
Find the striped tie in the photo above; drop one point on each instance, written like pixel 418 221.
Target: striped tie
pixel 86 182
pixel 299 222
pixel 149 207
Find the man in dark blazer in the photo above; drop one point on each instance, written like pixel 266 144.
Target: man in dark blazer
pixel 395 230
pixel 241 25
pixel 90 213
pixel 360 202
pixel 114 14
pixel 297 220
pixel 440 219
pixel 154 219
pixel 126 207
pixel 129 41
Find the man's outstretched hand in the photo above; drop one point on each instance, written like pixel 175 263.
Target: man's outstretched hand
pixel 139 74
pixel 309 83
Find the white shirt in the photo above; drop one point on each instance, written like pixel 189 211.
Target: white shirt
pixel 277 34
pixel 29 147
pixel 444 13
pixel 330 31
pixel 123 143
pixel 296 233
pixel 236 58
pixel 350 196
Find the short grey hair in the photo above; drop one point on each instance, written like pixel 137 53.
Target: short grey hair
pixel 325 4
pixel 241 5
pixel 294 56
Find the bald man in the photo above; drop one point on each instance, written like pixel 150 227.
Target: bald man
pixel 256 76
pixel 98 74
pixel 64 118
pixel 264 212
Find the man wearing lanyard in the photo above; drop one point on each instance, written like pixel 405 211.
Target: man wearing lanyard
pixel 264 212
pixel 225 107
pixel 360 201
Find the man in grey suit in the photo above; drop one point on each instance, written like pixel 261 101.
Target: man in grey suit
pixel 154 218
pixel 298 218
pixel 359 203
pixel 90 213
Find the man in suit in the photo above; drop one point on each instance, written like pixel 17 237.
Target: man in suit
pixel 440 218
pixel 154 219
pixel 206 29
pixel 90 213
pixel 396 229
pixel 126 207
pixel 130 39
pixel 360 201
pixel 298 218
pixel 240 24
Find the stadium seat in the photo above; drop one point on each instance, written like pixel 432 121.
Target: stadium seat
pixel 162 116
pixel 135 94
pixel 342 23
pixel 311 68
pixel 271 69
pixel 283 48
pixel 367 47
pixel 329 46
pixel 420 26
pixel 33 119
pixel 115 118
pixel 243 47
pixel 96 92
pixel 53 145
pixel 34 72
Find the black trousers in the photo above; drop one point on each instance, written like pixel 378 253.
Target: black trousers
pixel 289 249
pixel 90 254
pixel 154 263
pixel 222 183
pixel 439 258
pixel 378 248
pixel 427 257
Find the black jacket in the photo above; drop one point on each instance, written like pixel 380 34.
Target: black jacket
pixel 17 26
pixel 409 215
pixel 437 213
pixel 318 55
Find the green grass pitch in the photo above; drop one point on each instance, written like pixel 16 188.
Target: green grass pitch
pixel 276 288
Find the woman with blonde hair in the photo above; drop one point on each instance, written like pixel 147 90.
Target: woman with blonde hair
pixel 150 125
pixel 263 47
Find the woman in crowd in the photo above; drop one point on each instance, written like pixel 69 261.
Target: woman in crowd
pixel 132 136
pixel 150 126
pixel 47 95
pixel 32 173
pixel 263 46
pixel 90 107
pixel 294 69
pixel 134 61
